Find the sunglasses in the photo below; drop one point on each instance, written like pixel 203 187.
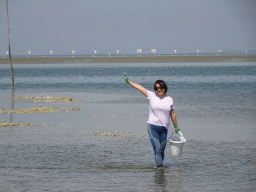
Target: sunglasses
pixel 156 88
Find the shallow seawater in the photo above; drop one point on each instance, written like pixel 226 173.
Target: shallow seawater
pixel 61 151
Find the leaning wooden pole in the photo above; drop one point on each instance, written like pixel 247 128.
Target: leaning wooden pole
pixel 10 57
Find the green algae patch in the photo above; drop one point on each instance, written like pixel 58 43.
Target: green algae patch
pixel 7 124
pixel 107 133
pixel 40 110
pixel 3 111
pixel 48 99
pixel 131 168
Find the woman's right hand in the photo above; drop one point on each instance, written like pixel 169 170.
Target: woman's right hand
pixel 126 78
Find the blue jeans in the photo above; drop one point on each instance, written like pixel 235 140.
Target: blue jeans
pixel 158 138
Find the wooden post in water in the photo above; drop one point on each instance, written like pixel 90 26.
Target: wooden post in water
pixel 10 57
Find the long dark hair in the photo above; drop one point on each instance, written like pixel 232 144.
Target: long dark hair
pixel 162 85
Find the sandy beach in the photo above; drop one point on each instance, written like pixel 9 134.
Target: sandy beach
pixel 139 59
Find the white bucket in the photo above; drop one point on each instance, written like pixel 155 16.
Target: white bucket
pixel 177 144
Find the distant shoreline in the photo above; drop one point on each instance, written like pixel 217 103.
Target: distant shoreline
pixel 136 59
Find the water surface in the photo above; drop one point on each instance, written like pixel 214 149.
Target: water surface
pixel 215 106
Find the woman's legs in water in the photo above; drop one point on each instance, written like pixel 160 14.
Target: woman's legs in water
pixel 158 138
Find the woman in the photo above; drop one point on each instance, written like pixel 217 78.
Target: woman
pixel 160 109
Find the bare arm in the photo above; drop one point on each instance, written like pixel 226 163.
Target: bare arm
pixel 173 117
pixel 139 87
pixel 135 85
pixel 174 120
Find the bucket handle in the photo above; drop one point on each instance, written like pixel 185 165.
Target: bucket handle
pixel 179 133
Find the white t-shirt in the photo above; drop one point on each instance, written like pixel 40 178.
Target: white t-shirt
pixel 159 109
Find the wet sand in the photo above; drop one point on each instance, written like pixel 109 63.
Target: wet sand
pixel 139 59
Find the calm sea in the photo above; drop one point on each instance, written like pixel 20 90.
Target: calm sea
pixel 215 105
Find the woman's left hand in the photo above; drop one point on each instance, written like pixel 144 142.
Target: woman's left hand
pixel 176 128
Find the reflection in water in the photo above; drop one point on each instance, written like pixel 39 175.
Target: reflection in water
pixel 167 180
pixel 12 105
pixel 160 180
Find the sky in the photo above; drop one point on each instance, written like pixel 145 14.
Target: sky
pixel 44 25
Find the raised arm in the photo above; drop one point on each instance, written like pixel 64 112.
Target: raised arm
pixel 135 85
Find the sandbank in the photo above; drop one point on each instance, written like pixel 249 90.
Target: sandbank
pixel 126 59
